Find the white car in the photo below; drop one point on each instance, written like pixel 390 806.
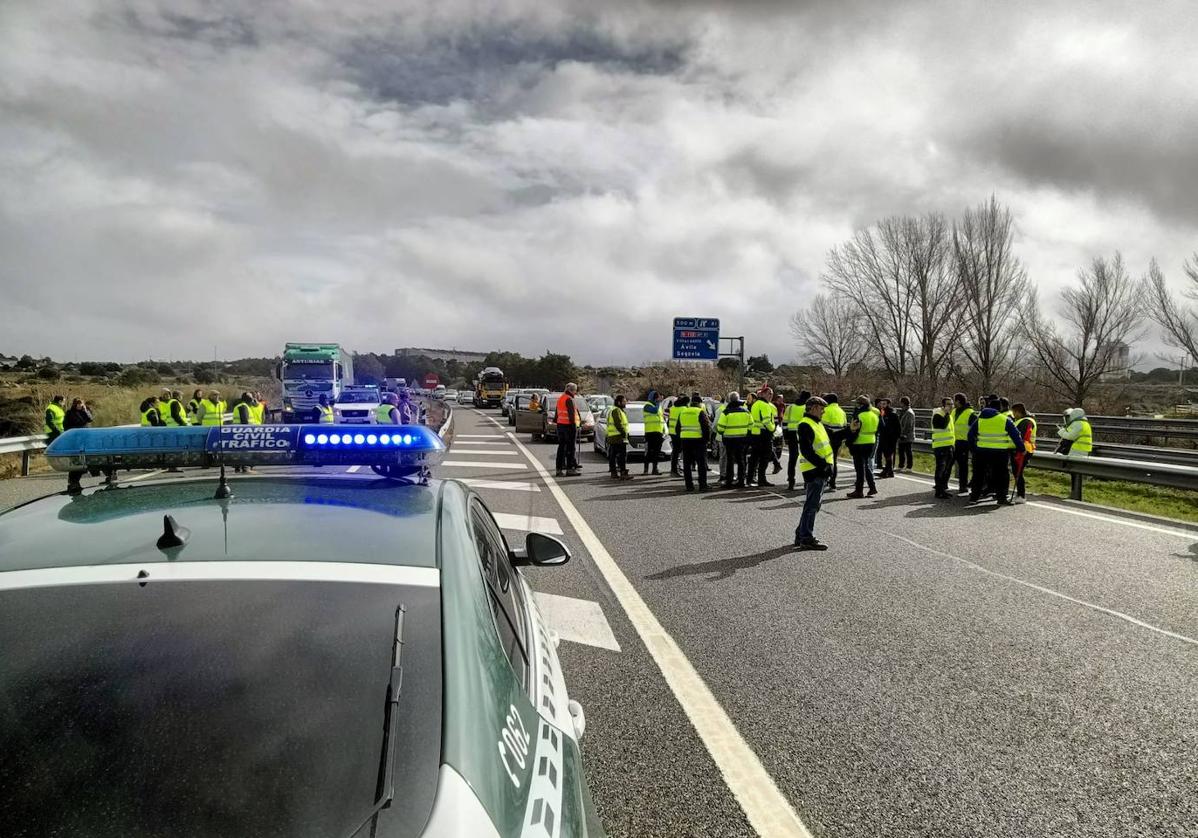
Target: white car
pixel 636 432
pixel 356 405
pixel 466 397
pixel 450 395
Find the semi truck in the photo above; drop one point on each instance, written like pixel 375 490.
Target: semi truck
pixel 309 371
pixel 490 387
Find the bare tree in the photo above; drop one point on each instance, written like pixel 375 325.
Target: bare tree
pixel 1101 318
pixel 992 282
pixel 828 334
pixel 897 278
pixel 1178 321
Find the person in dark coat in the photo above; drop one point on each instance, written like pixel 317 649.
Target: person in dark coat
pixel 889 431
pixel 79 416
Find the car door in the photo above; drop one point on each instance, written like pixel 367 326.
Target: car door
pixel 601 430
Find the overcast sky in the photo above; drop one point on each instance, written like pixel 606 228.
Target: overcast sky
pixel 543 175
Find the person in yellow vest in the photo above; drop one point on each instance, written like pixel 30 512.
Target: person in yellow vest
pixel 193 406
pixel 733 428
pixel 212 409
pixel 55 413
pixel 1025 423
pixel 815 452
pixel 171 410
pixel 963 416
pixel 761 437
pixel 655 431
pixel 681 400
pixel 837 424
pixel 151 417
pixel 694 426
pixel 617 440
pixel 324 411
pixel 260 407
pixel 863 439
pixel 944 439
pixel 989 436
pixel 246 411
pixel 792 414
pixel 387 413
pixel 1077 437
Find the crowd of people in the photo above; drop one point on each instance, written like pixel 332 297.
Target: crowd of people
pixel 988 443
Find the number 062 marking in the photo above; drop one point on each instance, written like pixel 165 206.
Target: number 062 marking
pixel 513 745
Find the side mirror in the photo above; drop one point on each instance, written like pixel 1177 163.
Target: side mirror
pixel 542 551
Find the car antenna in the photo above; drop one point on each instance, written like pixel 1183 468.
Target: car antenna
pixel 222 489
pixel 386 782
pixel 173 536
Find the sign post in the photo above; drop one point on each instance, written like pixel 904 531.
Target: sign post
pixel 696 339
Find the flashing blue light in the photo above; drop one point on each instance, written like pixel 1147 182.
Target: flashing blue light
pixel 309 439
pixel 359 438
pixel 407 439
pixel 347 440
pixel 322 439
pixel 371 439
pixel 335 439
pixel 385 439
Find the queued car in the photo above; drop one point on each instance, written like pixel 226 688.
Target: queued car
pixel 600 402
pixel 466 397
pixel 522 402
pixel 542 423
pixel 356 405
pixel 450 395
pixel 295 652
pixel 636 432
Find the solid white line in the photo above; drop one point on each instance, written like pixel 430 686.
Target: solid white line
pixel 486 452
pixel 475 464
pixel 768 810
pixel 511 485
pixel 1097 516
pixel 162 571
pixel 527 523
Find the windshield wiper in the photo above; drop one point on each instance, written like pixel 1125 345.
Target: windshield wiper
pixel 385 789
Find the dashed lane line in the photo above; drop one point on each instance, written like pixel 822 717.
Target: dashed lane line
pixel 486 452
pixel 527 523
pixel 767 809
pixel 480 436
pixel 503 444
pixel 502 485
pixel 478 464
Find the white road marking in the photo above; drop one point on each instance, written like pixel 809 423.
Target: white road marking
pixel 481 442
pixel 577 620
pixel 479 436
pixel 1097 516
pixel 486 452
pixel 527 523
pixel 352 469
pixel 145 476
pixel 475 464
pixel 768 810
pixel 510 485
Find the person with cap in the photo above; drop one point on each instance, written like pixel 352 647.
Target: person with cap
pixel 943 446
pixel 324 411
pixel 409 411
pixel 761 436
pixel 837 425
pixel 567 422
pixel 1025 423
pixel 1077 437
pixel 989 437
pixel 617 440
pixel 54 416
pixel 815 451
pixel 862 439
pixel 694 427
pixel 212 409
pixel 655 431
pixel 681 400
pixel 962 417
pixel 733 428
pixel 792 414
pixel 387 411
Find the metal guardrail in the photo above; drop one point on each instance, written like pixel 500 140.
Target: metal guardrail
pixel 1105 468
pixel 26 446
pixel 1138 427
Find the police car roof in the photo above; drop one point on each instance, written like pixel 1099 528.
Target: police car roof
pixel 270 517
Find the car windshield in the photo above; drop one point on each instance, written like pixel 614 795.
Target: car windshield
pixel 635 412
pixel 358 396
pixel 308 372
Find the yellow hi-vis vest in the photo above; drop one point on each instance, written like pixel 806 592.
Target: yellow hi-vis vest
pixel 734 424
pixel 1084 443
pixel 944 437
pixel 617 423
pixel 822 444
pixel 961 423
pixel 211 412
pixel 259 410
pixel 793 415
pixel 688 423
pixel 167 412
pixel 326 414
pixel 382 414
pixel 57 414
pixel 764 414
pixel 245 414
pixel 868 434
pixel 653 421
pixel 992 432
pixel 145 416
pixel 834 418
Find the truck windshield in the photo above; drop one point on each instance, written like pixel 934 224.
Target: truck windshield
pixel 308 372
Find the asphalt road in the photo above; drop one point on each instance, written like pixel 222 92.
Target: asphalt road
pixel 940 671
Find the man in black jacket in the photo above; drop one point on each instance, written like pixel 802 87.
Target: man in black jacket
pixel 889 431
pixel 815 448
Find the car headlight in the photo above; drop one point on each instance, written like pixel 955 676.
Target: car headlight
pixel 287 403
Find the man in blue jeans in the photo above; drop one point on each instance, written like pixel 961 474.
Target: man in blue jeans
pixel 816 460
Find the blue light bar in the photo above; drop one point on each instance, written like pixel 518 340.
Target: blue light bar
pixel 242 445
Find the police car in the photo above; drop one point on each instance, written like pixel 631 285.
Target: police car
pixel 290 653
pixel 358 405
